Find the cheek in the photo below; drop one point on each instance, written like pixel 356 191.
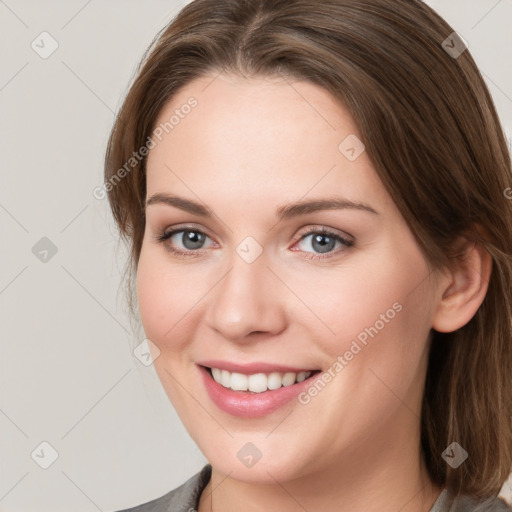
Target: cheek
pixel 380 317
pixel 166 298
pixel 383 300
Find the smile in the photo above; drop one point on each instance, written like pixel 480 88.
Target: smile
pixel 257 382
pixel 258 391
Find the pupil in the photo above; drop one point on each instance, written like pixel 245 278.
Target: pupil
pixel 192 239
pixel 323 246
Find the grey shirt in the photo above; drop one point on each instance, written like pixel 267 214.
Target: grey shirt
pixel 185 498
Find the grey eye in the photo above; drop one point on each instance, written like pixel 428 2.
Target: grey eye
pixel 321 243
pixel 190 239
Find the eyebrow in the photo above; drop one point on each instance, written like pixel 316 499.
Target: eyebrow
pixel 283 212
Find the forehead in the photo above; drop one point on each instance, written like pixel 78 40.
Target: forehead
pixel 257 139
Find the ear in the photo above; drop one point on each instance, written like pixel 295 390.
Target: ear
pixel 462 288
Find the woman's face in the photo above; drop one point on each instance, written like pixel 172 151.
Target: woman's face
pixel 257 289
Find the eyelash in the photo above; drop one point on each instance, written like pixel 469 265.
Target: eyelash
pixel 164 236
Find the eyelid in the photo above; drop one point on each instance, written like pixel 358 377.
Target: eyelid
pixel 167 232
pixel 320 228
pixel 346 241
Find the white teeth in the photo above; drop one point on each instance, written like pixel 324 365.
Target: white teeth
pixel 225 378
pixel 274 381
pixel 217 374
pixel 289 378
pixel 238 382
pixel 302 376
pixel 257 382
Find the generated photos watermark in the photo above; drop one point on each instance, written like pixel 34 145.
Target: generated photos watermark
pixel 342 361
pixel 180 113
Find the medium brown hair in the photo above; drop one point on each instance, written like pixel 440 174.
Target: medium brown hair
pixel 432 133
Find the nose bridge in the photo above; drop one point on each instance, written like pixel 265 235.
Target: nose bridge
pixel 246 299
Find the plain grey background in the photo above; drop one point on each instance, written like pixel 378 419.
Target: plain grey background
pixel 68 376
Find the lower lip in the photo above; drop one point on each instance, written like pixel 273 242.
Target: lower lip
pixel 251 405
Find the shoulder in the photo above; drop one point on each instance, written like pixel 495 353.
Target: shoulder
pixel 184 498
pixel 468 504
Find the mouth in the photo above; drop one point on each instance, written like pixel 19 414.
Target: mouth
pixel 254 390
pixel 260 382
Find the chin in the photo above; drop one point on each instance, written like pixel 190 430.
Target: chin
pixel 258 462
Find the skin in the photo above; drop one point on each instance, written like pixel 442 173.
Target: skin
pixel 250 146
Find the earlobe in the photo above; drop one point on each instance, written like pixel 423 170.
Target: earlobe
pixel 463 290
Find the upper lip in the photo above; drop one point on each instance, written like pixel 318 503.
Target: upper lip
pixel 252 368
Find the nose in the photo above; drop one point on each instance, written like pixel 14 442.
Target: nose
pixel 247 301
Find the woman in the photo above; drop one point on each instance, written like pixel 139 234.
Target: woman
pixel 314 196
